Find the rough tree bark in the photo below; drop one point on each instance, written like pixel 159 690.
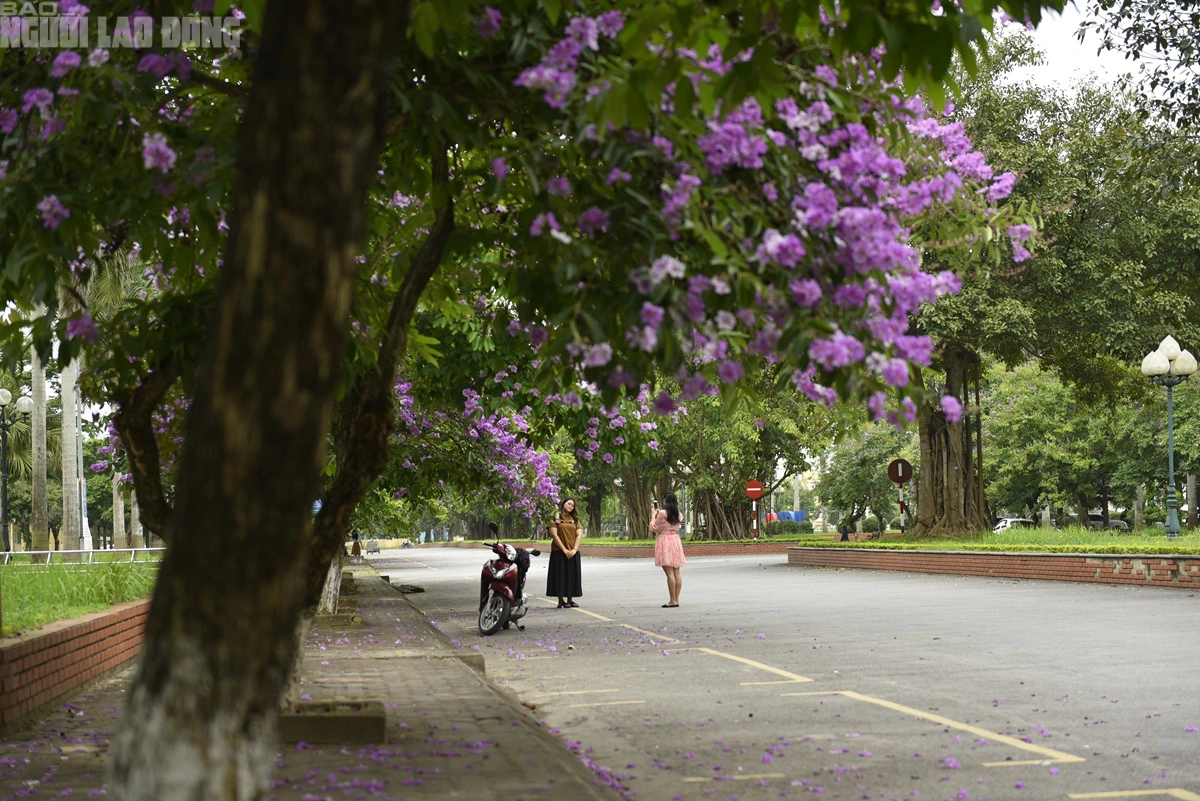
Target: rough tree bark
pixel 950 497
pixel 134 423
pixel 39 524
pixel 594 507
pixel 201 715
pixel 636 493
pixel 1139 506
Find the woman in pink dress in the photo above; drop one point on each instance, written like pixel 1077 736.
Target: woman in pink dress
pixel 668 550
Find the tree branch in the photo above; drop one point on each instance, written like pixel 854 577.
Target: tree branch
pixel 133 423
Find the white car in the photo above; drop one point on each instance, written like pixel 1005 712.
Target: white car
pixel 1013 522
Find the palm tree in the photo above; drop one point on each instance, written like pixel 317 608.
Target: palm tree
pixel 39 524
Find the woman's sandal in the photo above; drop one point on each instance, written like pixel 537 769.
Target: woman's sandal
pixel 670 606
pixel 561 605
pixel 572 604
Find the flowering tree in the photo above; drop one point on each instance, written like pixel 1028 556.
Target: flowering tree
pixel 778 193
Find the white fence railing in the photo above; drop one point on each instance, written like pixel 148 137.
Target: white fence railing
pixel 81 557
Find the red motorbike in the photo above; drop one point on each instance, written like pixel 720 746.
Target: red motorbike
pixel 502 598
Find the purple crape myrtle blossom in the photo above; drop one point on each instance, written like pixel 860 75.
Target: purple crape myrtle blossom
pixel 593 220
pixel 82 327
pixel 952 408
pixel 156 153
pixel 52 211
pixel 488 25
pixel 64 62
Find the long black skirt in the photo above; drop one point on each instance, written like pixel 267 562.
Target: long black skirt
pixel 564 578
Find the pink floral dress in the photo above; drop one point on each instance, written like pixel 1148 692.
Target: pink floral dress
pixel 668 549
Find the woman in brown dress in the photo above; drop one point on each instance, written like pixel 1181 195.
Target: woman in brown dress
pixel 563 577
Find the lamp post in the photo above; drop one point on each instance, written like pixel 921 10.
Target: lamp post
pixel 24 407
pixel 1169 366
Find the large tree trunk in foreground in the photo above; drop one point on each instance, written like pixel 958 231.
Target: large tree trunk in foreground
pixel 219 645
pixel 950 497
pixel 70 536
pixel 39 524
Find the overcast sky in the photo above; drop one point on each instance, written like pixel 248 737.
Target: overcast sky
pixel 1068 61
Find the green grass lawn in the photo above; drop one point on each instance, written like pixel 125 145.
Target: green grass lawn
pixel 32 596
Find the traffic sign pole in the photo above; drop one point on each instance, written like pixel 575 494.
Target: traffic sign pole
pixel 754 491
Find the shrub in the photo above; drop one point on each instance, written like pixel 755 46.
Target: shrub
pixel 871 525
pixel 786 528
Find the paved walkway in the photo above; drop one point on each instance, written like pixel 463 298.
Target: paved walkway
pixel 450 732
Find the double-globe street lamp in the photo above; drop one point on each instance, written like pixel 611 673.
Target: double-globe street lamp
pixel 1170 366
pixel 24 407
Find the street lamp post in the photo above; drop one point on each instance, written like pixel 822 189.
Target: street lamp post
pixel 1169 366
pixel 24 407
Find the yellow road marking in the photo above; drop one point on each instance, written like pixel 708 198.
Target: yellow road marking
pixel 581 611
pixel 737 778
pixel 576 692
pixel 658 637
pixel 792 678
pixel 1051 755
pixel 1183 795
pixel 605 703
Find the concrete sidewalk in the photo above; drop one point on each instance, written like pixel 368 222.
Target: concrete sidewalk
pixel 379 668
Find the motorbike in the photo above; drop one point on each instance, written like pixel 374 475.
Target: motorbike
pixel 502 598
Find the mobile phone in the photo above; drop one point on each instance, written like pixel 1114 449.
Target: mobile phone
pixel 655 504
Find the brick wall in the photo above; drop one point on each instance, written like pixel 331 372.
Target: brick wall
pixel 1145 570
pixel 689 549
pixel 44 666
pixel 642 551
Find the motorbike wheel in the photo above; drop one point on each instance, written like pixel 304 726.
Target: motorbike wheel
pixel 493 615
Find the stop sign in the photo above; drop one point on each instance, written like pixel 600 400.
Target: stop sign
pixel 754 489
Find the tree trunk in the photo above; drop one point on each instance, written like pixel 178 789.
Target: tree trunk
pixel 39 523
pixel 1193 516
pixel 636 494
pixel 120 540
pixel 1139 506
pixel 220 642
pixel 950 497
pixel 333 584
pixel 136 540
pixel 1084 519
pixel 594 505
pixel 70 534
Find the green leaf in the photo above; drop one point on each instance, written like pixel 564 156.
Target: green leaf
pixel 424 25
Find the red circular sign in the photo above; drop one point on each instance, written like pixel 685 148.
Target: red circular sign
pixel 754 489
pixel 900 471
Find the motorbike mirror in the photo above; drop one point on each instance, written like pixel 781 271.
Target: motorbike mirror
pixel 535 552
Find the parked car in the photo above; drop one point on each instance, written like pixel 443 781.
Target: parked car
pixel 1096 523
pixel 1013 522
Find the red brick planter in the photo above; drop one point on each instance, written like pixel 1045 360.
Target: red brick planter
pixel 44 666
pixel 1149 570
pixel 643 551
pixel 689 549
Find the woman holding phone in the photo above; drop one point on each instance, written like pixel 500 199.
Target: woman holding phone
pixel 668 548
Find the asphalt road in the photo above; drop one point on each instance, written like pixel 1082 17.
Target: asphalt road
pixel 775 682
